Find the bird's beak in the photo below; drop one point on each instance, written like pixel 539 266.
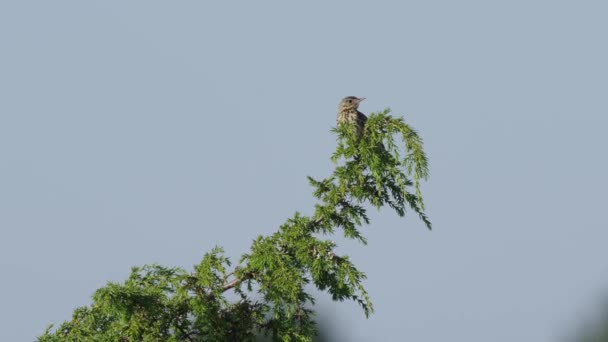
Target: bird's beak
pixel 361 99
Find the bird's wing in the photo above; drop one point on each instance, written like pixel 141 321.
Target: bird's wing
pixel 361 117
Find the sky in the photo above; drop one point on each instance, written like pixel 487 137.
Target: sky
pixel 151 131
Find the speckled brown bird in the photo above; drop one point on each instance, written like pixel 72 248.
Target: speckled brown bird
pixel 348 112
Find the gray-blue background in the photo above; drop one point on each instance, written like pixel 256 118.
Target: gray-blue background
pixel 134 132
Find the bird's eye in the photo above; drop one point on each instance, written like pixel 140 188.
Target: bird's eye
pixel 349 101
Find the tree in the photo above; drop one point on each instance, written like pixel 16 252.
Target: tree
pixel 383 167
pixel 593 328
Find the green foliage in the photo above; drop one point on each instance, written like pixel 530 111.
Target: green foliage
pixel 384 167
pixel 592 328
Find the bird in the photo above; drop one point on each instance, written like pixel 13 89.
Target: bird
pixel 348 112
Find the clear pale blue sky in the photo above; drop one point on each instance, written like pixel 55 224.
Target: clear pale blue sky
pixel 134 132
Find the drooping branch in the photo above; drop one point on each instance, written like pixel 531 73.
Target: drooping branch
pixel 369 175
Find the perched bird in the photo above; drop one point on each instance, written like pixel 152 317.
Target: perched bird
pixel 348 112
